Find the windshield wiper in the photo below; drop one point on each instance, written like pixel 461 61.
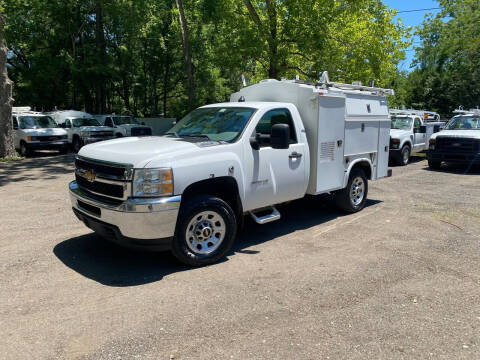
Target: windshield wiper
pixel 196 135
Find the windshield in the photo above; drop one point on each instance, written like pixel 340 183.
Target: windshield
pixel 216 123
pixel 124 120
pixel 464 123
pixel 37 122
pixel 85 122
pixel 401 123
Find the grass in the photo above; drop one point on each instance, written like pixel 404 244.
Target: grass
pixel 15 157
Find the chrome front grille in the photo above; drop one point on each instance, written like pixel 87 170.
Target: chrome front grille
pixel 105 179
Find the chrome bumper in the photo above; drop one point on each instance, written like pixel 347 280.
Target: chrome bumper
pixel 153 218
pixel 91 140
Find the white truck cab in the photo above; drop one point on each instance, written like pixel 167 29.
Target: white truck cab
pixel 410 132
pixel 276 141
pixel 458 142
pixel 81 128
pixel 36 131
pixel 124 125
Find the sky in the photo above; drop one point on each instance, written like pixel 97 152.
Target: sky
pixel 411 19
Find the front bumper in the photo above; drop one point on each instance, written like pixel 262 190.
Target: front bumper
pixel 142 223
pixel 459 158
pixel 48 145
pixel 91 140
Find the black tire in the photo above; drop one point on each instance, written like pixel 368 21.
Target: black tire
pixel 118 135
pixel 194 207
pixel 434 164
pixel 63 150
pixel 76 144
pixel 343 197
pixel 24 149
pixel 404 157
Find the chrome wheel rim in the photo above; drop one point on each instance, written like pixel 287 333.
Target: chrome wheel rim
pixel 23 149
pixel 406 156
pixel 76 146
pixel 357 191
pixel 205 232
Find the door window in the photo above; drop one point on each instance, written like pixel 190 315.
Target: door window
pixel 108 122
pixel 273 117
pixel 15 124
pixel 417 123
pixel 68 123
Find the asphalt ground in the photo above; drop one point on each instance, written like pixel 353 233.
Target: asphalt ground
pixel 399 280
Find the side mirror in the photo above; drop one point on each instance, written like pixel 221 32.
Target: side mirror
pixel 436 128
pixel 254 143
pixel 280 136
pixel 423 129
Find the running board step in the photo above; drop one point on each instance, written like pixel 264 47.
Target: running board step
pixel 265 215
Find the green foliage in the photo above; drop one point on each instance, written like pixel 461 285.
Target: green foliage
pixel 57 57
pixel 447 72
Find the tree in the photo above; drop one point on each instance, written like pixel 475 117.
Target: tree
pixel 6 132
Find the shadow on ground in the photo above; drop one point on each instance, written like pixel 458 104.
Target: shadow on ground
pixel 45 165
pixel 456 169
pixel 111 265
pixel 415 158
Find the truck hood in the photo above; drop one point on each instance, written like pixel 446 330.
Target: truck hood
pixel 44 132
pixel 399 133
pixel 471 134
pixel 139 151
pixel 95 128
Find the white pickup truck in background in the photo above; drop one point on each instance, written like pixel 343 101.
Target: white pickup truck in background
pixel 124 125
pixel 276 141
pixel 458 143
pixel 81 128
pixel 410 132
pixel 36 131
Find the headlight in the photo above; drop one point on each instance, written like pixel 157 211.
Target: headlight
pixel 395 143
pixel 152 182
pixel 432 144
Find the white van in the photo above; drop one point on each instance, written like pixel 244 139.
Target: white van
pixel 124 125
pixel 36 131
pixel 82 128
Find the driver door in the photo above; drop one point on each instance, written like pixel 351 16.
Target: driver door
pixel 420 139
pixel 275 175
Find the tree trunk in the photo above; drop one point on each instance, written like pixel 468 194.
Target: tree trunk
pixel 186 54
pixel 100 101
pixel 7 148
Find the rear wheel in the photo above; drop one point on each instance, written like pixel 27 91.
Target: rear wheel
pixel 353 197
pixel 205 231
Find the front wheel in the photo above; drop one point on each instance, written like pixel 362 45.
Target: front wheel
pixel 434 164
pixel 77 144
pixel 24 149
pixel 405 155
pixel 353 197
pixel 205 231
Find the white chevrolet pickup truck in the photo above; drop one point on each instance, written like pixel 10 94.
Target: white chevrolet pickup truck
pixel 410 132
pixel 458 143
pixel 276 141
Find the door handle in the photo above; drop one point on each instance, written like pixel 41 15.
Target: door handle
pixel 295 155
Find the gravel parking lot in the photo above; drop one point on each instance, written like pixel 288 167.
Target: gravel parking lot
pixel 399 280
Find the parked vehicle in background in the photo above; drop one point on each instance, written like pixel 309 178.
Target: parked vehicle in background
pixel 81 128
pixel 36 131
pixel 459 142
pixel 276 141
pixel 410 132
pixel 124 125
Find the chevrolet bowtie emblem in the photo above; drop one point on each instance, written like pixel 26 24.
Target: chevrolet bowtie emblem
pixel 90 175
